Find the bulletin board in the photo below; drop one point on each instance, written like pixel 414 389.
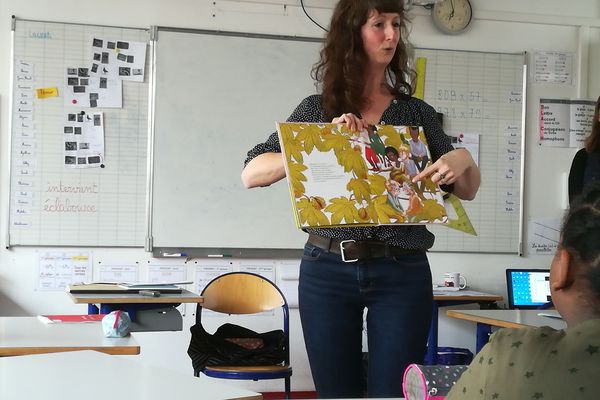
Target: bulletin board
pixel 217 94
pixel 63 190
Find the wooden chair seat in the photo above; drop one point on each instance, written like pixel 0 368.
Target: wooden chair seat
pixel 251 368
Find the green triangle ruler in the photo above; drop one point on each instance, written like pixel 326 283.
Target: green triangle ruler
pixel 462 222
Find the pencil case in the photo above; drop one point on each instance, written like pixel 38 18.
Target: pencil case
pixel 430 382
pixel 116 324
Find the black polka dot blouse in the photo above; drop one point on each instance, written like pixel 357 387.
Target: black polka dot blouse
pixel 403 110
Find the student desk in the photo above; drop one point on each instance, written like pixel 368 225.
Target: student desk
pixel 446 299
pixel 91 375
pixel 147 313
pixel 485 319
pixel 28 335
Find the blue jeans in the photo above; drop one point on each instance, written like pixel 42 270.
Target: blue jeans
pixel 332 295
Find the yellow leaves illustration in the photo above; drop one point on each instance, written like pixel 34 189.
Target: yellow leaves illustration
pixel 430 186
pixel 311 214
pixel 370 197
pixel 360 188
pixel 382 212
pixel 377 184
pixel 342 209
pixel 390 136
pixel 297 177
pixel 352 160
pixel 432 211
pixel 310 135
pixel 334 140
pixel 293 148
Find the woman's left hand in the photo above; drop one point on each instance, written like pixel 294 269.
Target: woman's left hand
pixel 448 168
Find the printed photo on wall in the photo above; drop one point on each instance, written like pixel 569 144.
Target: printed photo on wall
pixel 84 140
pixel 118 59
pixel 85 91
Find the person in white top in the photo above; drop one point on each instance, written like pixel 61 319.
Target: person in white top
pixel 418 150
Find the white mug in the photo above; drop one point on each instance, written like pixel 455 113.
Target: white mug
pixel 455 279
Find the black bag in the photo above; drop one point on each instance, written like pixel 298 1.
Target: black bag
pixel 206 349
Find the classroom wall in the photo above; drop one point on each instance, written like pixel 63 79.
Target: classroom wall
pixel 507 26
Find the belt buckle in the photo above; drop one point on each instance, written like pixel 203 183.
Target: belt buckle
pixel 342 251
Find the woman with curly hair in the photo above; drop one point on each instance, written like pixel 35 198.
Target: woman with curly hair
pixel 365 79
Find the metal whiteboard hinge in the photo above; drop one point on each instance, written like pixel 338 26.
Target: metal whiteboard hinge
pixel 148 246
pixel 154 33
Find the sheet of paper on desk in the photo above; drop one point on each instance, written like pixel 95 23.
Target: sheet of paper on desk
pixel 121 288
pixel 147 285
pixel 441 292
pixel 437 288
pixel 54 319
pixel 472 293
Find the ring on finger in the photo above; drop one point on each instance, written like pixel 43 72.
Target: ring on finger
pixel 442 176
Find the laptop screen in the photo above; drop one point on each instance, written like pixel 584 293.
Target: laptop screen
pixel 528 288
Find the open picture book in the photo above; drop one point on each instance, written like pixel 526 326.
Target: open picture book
pixel 341 178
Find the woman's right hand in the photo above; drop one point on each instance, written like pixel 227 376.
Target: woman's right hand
pixel 353 122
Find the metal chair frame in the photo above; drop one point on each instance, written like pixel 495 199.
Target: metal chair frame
pixel 237 293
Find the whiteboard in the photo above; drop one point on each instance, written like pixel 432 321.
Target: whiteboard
pixel 217 94
pixel 49 203
pixel 483 93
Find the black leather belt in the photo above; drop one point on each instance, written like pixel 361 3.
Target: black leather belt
pixel 354 250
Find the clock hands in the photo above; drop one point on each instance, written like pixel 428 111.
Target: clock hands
pixel 451 15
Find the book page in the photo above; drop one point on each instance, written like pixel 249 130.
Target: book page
pixel 339 178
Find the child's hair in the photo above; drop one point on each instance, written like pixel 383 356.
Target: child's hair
pixel 391 149
pixel 581 235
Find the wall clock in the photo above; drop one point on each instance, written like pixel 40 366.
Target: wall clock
pixel 452 16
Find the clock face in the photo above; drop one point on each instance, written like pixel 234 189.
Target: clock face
pixel 452 16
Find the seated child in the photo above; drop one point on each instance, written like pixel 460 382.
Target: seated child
pixel 544 363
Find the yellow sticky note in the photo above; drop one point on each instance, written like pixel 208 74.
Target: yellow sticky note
pixel 421 69
pixel 44 93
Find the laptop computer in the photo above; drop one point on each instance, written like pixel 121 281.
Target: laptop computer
pixel 528 288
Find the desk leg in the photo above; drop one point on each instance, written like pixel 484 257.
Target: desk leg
pixel 483 334
pixel 431 357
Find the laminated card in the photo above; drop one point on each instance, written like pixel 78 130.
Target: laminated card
pixel 342 178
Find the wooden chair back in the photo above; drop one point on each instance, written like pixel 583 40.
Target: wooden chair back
pixel 241 293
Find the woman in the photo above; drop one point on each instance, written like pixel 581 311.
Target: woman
pixel 362 74
pixel 586 163
pixel 543 363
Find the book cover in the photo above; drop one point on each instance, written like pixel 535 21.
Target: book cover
pixel 54 319
pixel 341 178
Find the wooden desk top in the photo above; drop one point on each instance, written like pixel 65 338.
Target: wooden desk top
pixel 28 335
pixel 95 376
pixel 166 298
pixel 465 295
pixel 510 318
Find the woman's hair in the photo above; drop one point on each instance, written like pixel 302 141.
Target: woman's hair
pixel 581 235
pixel 592 143
pixel 341 69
